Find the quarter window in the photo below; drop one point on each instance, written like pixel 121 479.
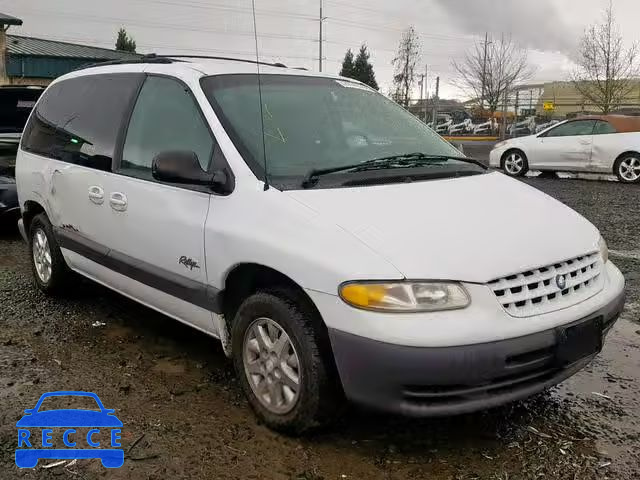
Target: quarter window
pixel 570 129
pixel 78 120
pixel 165 118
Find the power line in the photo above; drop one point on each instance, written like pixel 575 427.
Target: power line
pixel 210 6
pixel 157 25
pixel 364 9
pixel 175 47
pixel 377 27
pixel 166 26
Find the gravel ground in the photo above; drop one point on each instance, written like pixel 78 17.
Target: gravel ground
pixel 184 415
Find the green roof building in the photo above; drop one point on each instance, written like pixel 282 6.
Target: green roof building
pixel 37 61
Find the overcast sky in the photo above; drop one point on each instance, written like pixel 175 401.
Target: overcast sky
pixel 288 29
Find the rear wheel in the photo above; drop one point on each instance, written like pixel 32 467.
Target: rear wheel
pixel 627 168
pixel 50 271
pixel 278 359
pixel 514 163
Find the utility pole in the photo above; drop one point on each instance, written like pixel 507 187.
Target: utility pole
pixel 484 70
pixel 436 103
pixel 421 82
pixel 426 91
pixel 504 114
pixel 320 37
pixel 517 103
pixel 530 100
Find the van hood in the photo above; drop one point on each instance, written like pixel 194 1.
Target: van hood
pixel 472 229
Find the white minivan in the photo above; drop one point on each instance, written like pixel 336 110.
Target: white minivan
pixel 336 246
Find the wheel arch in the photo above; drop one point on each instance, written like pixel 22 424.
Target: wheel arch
pixel 244 279
pixel 248 278
pixel 30 209
pixel 624 154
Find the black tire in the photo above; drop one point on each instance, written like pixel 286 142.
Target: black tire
pixel 319 396
pixel 60 272
pixel 618 166
pixel 510 171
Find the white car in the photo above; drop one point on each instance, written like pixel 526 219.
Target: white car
pixel 595 144
pixel 333 266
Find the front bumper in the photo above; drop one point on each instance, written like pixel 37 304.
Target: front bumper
pixel 424 381
pixel 495 157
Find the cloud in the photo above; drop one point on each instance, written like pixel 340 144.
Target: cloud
pixel 536 24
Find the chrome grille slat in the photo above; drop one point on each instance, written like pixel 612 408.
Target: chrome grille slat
pixel 525 294
pixel 542 291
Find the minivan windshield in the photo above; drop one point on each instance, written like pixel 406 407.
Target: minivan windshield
pixel 314 124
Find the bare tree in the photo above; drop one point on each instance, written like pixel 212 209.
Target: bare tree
pixel 404 63
pixel 606 72
pixel 490 69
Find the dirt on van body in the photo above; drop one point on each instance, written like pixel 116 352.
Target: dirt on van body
pixel 185 417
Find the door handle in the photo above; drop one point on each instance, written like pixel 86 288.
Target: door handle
pixel 585 142
pixel 96 194
pixel 118 201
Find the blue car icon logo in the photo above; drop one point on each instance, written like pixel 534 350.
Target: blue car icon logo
pixel 72 422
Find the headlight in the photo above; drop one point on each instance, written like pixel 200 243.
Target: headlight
pixel 604 250
pixel 500 144
pixel 404 297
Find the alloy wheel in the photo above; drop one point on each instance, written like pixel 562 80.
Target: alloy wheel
pixel 42 256
pixel 514 163
pixel 272 366
pixel 630 169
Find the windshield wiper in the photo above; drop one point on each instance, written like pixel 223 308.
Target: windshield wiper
pixel 403 160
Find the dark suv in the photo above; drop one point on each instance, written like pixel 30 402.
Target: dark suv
pixel 16 103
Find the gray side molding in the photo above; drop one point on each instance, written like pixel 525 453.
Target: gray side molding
pixel 191 291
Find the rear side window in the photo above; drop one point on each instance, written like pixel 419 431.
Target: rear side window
pixel 78 120
pixel 570 129
pixel 603 128
pixel 165 118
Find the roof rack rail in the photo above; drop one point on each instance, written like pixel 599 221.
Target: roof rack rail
pixel 212 57
pixel 155 58
pixel 150 58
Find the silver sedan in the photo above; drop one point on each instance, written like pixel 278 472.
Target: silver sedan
pixel 597 144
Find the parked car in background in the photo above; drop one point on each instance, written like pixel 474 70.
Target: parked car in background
pixel 543 126
pixel 486 128
pixel 464 127
pixel 522 128
pixel 16 103
pixel 597 144
pixel 317 271
pixel 9 207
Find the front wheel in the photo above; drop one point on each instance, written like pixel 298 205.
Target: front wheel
pixel 514 163
pixel 627 168
pixel 277 356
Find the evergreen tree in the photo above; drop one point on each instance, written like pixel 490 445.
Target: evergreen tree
pixel 363 70
pixel 124 42
pixel 347 65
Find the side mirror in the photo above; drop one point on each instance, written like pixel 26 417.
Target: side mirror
pixel 179 167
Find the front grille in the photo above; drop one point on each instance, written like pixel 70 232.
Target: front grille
pixel 536 292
